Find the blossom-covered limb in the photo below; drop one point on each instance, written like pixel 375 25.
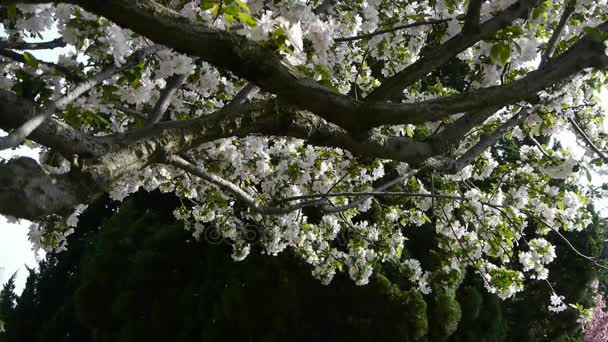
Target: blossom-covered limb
pixel 586 53
pixel 242 195
pixel 441 54
pixel 263 67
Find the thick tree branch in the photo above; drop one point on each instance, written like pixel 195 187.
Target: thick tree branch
pixel 161 106
pixel 441 54
pixel 586 53
pixel 471 22
pixel 27 191
pixel 264 68
pixel 229 50
pixel 15 110
pixel 453 133
pixel 139 148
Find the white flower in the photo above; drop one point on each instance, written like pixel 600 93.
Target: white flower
pixel 72 220
pixel 294 34
pixel 557 303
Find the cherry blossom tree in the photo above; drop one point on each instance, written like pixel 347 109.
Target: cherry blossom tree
pixel 296 117
pixel 597 328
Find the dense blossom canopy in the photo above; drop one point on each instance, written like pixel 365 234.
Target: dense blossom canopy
pixel 326 127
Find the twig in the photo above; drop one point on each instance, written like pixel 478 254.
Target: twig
pixel 588 140
pixel 392 29
pixel 563 20
pixel 540 147
pixel 592 259
pixel 17 57
pixel 55 43
pixel 225 184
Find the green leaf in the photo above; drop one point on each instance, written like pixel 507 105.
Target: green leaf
pixel 243 6
pixel 597 162
pixel 588 174
pixel 409 132
pixel 339 266
pixel 246 19
pixel 501 52
pixel 101 119
pixel 207 4
pixel 229 18
pixel 30 60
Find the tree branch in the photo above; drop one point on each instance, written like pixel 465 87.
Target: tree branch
pixel 234 189
pixel 241 97
pixel 392 29
pixel 269 118
pixel 588 141
pixel 69 74
pixel 441 54
pixel 18 135
pixel 55 43
pixel 485 142
pixel 27 191
pixel 326 7
pixel 263 67
pixel 453 133
pixel 15 110
pixel 563 20
pixel 173 83
pixel 471 22
pixel 586 53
